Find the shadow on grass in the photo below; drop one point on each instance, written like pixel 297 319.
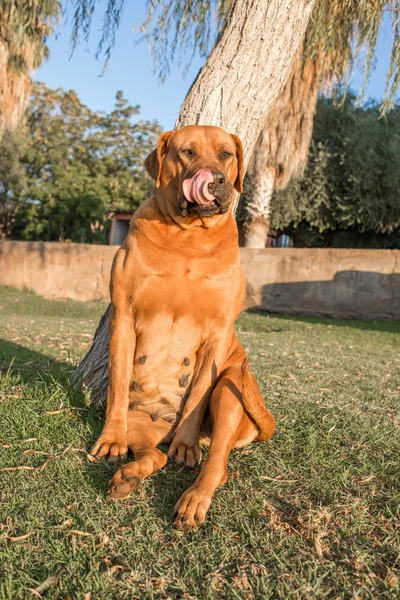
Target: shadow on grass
pixel 31 365
pixel 384 326
pixel 165 487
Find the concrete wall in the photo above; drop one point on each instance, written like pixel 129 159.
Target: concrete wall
pixel 56 270
pixel 334 282
pixel 342 283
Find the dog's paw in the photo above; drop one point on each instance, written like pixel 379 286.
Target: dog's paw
pixel 185 446
pixel 125 481
pixel 191 509
pixel 111 445
pixel 183 454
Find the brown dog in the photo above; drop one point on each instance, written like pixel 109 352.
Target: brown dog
pixel 176 290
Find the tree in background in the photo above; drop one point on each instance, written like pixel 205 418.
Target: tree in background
pixel 338 32
pixel 350 193
pixel 13 183
pixel 281 151
pixel 124 144
pixel 24 27
pixel 65 191
pixel 78 164
pixel 247 67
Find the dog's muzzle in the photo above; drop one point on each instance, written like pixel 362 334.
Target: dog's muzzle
pixel 205 194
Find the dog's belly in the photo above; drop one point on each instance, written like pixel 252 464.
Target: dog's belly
pixel 164 360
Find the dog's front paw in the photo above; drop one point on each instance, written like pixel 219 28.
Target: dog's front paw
pixel 191 509
pixel 112 443
pixel 185 449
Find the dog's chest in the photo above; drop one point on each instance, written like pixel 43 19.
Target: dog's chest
pixel 177 304
pixel 164 360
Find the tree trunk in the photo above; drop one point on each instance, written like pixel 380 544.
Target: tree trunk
pixel 258 210
pixel 281 151
pixel 251 61
pixel 236 90
pixel 14 92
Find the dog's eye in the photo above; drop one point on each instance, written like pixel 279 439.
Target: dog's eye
pixel 225 155
pixel 188 152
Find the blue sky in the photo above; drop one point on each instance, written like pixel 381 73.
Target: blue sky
pixel 131 70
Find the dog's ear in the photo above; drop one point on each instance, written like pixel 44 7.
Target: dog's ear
pixel 153 162
pixel 238 185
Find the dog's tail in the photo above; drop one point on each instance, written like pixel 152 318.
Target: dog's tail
pixel 254 405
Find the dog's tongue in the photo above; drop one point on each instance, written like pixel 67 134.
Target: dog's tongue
pixel 195 189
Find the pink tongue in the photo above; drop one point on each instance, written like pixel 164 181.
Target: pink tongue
pixel 195 189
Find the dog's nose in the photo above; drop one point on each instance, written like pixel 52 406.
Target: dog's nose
pixel 219 177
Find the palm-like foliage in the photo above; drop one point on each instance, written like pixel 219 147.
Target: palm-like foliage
pixel 335 37
pixel 281 151
pixel 24 27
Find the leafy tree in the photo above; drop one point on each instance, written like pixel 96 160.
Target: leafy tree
pixel 80 164
pixel 65 191
pixel 13 182
pixel 352 181
pixel 123 145
pixel 338 32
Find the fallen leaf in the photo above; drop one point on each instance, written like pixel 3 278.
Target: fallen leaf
pixel 392 580
pixel 367 479
pixel 49 582
pixel 115 569
pixel 22 468
pixel 20 537
pixel 318 547
pixel 278 479
pixel 82 533
pixel 291 376
pixel 66 523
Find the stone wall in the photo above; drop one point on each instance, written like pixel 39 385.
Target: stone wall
pixel 339 283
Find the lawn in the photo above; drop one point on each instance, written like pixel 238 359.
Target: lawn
pixel 314 513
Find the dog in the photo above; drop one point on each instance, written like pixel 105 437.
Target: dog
pixel 177 372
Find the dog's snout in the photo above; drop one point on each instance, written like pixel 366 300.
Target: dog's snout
pixel 219 177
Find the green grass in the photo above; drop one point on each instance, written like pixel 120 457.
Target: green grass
pixel 313 513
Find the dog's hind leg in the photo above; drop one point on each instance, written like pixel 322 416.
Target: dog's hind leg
pixel 143 436
pixel 231 427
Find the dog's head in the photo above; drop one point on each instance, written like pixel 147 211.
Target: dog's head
pixel 201 165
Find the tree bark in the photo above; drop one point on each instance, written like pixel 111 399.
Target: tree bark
pixel 14 92
pixel 258 210
pixel 247 68
pixel 236 90
pixel 281 150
